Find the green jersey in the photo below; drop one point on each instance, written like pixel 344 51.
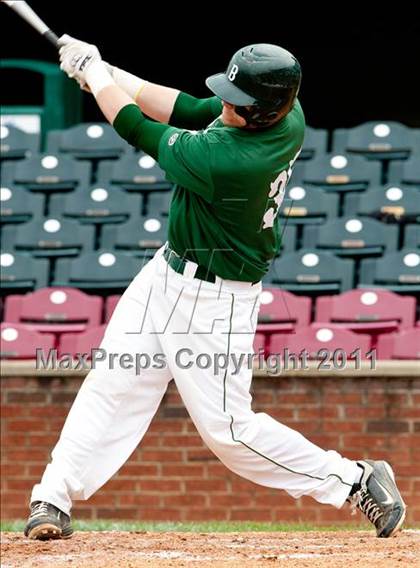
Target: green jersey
pixel 230 183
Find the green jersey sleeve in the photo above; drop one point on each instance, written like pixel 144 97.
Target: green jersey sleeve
pixel 190 112
pixel 186 158
pixel 142 133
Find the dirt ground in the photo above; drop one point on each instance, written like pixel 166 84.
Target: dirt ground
pixel 111 549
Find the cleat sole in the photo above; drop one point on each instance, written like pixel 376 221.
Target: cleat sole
pixel 46 531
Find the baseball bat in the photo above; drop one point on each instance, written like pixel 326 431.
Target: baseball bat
pixel 25 11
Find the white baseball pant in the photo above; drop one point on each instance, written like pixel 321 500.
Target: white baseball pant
pixel 163 312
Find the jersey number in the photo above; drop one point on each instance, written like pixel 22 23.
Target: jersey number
pixel 277 191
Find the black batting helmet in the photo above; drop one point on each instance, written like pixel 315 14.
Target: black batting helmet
pixel 263 77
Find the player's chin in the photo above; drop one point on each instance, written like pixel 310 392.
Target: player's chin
pixel 233 121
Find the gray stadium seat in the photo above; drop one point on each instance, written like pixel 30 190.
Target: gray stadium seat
pixel 21 273
pixel 395 203
pixel 289 236
pixel 342 172
pixel 412 236
pixel 48 173
pixel 98 204
pixel 308 205
pixel 18 205
pixel 159 202
pixel 376 140
pixel 88 141
pixel 100 271
pixel 314 144
pixel 396 271
pixel 50 237
pixel 407 172
pixel 16 144
pixel 134 172
pixel 137 235
pixel 352 237
pixel 310 271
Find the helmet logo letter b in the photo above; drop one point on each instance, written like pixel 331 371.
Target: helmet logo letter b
pixel 233 72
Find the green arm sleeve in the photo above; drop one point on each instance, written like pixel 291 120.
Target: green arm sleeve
pixel 194 114
pixel 131 124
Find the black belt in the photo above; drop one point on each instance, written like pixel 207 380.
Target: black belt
pixel 178 264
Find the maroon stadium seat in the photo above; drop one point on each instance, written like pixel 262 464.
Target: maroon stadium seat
pixel 364 310
pixel 403 345
pixel 318 337
pixel 110 304
pixel 82 342
pixel 259 342
pixel 282 312
pixel 55 310
pixel 19 342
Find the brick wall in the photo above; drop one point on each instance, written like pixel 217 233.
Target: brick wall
pixel 174 477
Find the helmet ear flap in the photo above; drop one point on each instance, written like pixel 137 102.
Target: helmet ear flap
pixel 256 116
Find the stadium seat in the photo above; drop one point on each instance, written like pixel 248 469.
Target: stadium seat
pixel 158 203
pixel 352 237
pixel 97 271
pixel 407 172
pixel 82 343
pixel 412 236
pixel 48 173
pixel 97 205
pixel 390 203
pixel 110 305
pixel 16 144
pixel 55 310
pixel 309 204
pixel 402 345
pixel 396 271
pixel 19 342
pixel 321 341
pixel 282 312
pixel 50 237
pixel 375 140
pixel 310 271
pixel 18 205
pixel 288 235
pixel 88 141
pixel 371 311
pixel 259 343
pixel 314 144
pixel 137 235
pixel 20 272
pixel 342 172
pixel 134 172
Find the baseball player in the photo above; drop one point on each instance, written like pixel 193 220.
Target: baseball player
pixel 230 157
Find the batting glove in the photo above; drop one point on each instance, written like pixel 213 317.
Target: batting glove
pixel 76 57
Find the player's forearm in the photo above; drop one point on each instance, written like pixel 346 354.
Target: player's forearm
pixel 111 100
pixel 121 111
pixel 156 101
pixel 166 104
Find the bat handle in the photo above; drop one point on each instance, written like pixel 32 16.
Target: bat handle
pixel 51 37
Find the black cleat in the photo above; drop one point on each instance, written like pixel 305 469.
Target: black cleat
pixel 377 496
pixel 47 522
